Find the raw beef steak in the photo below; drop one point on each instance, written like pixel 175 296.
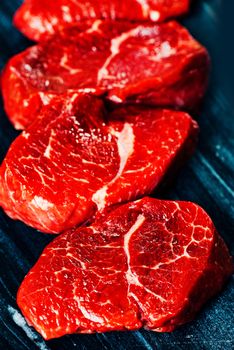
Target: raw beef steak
pixel 148 263
pixel 38 19
pixel 67 165
pixel 124 62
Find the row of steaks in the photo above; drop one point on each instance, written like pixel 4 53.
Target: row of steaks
pixel 86 95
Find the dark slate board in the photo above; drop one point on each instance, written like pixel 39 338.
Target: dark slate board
pixel 207 179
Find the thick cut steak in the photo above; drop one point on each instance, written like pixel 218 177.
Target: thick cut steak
pixel 148 263
pixel 38 19
pixel 158 65
pixel 69 163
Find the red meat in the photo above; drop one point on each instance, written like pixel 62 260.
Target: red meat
pixel 150 64
pixel 38 19
pixel 148 263
pixel 69 163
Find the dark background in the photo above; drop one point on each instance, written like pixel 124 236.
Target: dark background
pixel 207 180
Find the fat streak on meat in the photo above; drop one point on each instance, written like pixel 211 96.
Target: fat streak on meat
pixel 39 19
pixel 160 65
pixel 69 162
pixel 149 263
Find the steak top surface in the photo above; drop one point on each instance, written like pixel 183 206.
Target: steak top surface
pixel 71 162
pixel 149 263
pixel 159 65
pixel 39 19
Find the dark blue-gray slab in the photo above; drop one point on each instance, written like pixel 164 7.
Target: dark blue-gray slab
pixel 207 179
